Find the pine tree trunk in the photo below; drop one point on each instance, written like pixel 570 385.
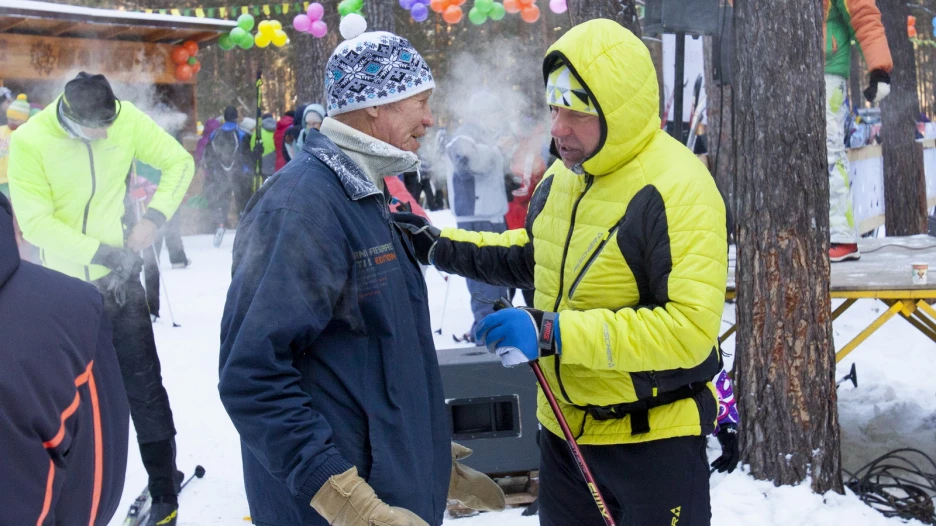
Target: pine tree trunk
pixel 312 55
pixel 785 363
pixel 655 45
pixel 904 183
pixel 380 15
pixel 856 78
pixel 718 133
pixel 622 11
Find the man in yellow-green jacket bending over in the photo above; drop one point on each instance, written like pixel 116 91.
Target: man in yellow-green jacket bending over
pixel 625 245
pixel 68 171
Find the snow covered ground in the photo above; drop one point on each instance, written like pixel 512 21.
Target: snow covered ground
pixel 894 406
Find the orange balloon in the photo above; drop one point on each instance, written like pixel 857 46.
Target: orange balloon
pixel 512 6
pixel 453 14
pixel 179 55
pixel 458 3
pixel 911 20
pixel 196 68
pixel 525 3
pixel 184 72
pixel 438 5
pixel 530 14
pixel 191 47
pixel 911 32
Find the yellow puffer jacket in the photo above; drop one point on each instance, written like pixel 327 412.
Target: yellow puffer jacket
pixel 632 254
pixel 69 193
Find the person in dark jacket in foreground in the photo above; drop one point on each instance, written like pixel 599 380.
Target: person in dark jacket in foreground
pixel 327 368
pixel 64 417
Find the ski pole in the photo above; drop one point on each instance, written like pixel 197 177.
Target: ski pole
pixel 573 446
pixel 570 438
pixel 165 289
pixel 162 281
pixel 444 303
pixel 199 473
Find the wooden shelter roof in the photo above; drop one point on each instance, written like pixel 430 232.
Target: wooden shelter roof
pixel 28 17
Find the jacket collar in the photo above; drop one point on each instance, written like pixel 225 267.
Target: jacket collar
pixel 356 183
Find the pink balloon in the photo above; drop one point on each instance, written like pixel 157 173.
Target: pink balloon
pixel 301 23
pixel 318 29
pixel 558 6
pixel 315 11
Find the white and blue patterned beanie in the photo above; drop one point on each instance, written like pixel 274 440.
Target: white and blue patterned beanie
pixel 374 69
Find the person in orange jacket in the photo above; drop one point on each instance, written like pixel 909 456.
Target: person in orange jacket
pixel 847 20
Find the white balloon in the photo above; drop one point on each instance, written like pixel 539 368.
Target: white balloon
pixel 352 25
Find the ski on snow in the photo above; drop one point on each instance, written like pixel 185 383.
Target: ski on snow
pixel 140 508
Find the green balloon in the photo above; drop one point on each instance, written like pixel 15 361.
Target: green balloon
pixel 245 22
pixel 484 6
pixel 225 42
pixel 238 34
pixel 344 9
pixel 192 61
pixel 497 11
pixel 247 43
pixel 356 5
pixel 476 16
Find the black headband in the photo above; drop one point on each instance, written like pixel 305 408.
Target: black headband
pixel 69 112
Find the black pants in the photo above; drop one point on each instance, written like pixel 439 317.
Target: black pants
pixel 139 365
pixel 221 187
pixel 659 483
pixel 170 233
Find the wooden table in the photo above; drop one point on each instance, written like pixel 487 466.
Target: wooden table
pixel 883 273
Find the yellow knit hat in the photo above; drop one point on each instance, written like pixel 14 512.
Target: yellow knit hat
pixel 19 108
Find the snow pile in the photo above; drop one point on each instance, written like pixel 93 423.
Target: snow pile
pixel 893 407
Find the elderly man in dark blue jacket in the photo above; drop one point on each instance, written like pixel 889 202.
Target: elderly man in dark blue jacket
pixel 328 369
pixel 63 409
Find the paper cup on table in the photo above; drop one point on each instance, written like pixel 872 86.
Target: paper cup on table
pixel 919 273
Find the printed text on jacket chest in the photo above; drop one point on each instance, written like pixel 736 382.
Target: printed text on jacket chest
pixel 373 267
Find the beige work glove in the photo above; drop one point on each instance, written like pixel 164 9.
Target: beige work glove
pixel 347 500
pixel 470 487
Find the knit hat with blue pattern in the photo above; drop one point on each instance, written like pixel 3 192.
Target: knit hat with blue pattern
pixel 374 69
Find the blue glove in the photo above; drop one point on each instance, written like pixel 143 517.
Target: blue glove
pixel 519 336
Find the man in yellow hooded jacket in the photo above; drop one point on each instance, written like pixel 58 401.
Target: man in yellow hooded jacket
pixel 625 245
pixel 68 170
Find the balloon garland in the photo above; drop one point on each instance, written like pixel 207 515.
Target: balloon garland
pixel 484 9
pixel 419 9
pixel 186 65
pixel 311 22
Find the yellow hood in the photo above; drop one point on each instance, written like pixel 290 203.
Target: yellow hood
pixel 615 67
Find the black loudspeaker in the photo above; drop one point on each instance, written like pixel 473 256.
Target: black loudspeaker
pixel 492 410
pixel 695 17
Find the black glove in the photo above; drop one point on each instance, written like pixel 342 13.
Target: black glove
pixel 123 262
pixel 872 93
pixel 728 438
pixel 421 231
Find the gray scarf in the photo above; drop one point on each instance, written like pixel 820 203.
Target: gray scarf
pixel 376 158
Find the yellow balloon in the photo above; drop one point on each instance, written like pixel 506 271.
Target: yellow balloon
pixel 276 25
pixel 262 40
pixel 263 26
pixel 280 38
